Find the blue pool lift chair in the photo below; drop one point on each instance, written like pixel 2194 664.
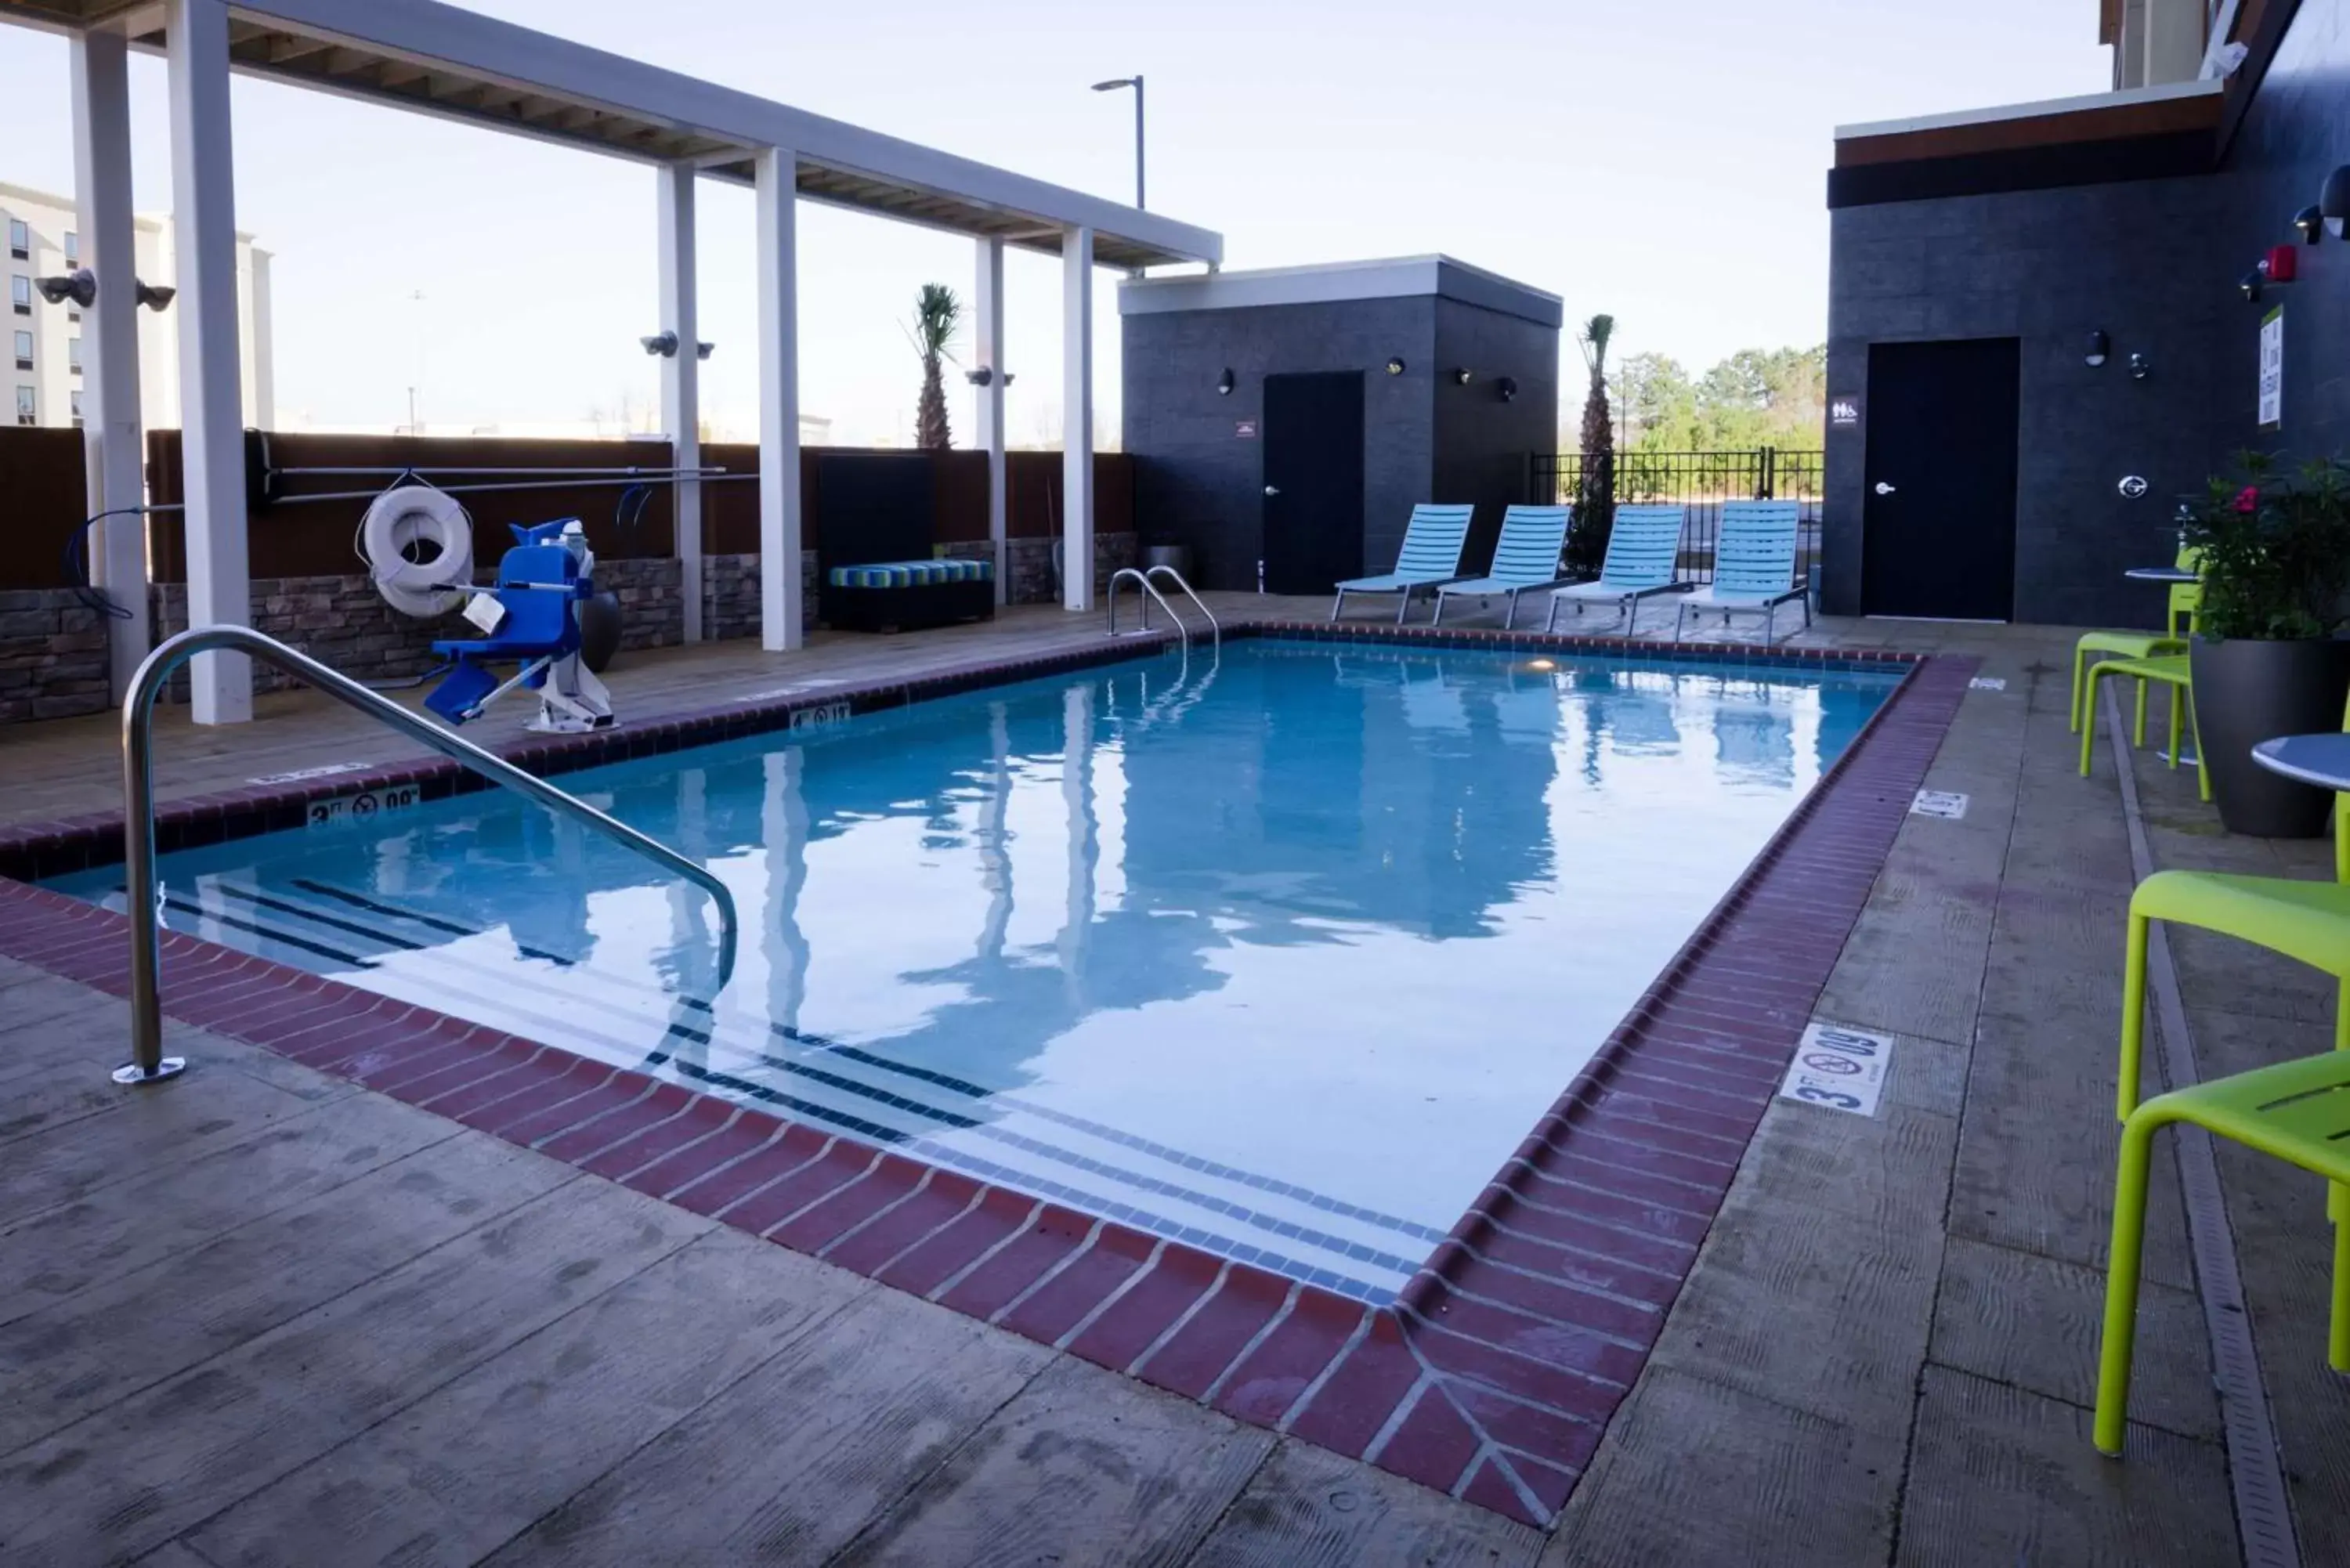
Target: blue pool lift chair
pixel 531 619
pixel 1526 560
pixel 1753 567
pixel 1644 549
pixel 1431 558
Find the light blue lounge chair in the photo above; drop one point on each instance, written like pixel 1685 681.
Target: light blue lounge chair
pixel 1753 567
pixel 1526 560
pixel 1643 550
pixel 1430 555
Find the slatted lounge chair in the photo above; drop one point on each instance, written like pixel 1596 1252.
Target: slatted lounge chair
pixel 1753 567
pixel 1526 560
pixel 1430 555
pixel 1643 550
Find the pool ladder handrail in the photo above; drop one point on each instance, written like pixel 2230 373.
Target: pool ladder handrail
pixel 1142 580
pixel 148 1064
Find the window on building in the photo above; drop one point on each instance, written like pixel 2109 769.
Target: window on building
pixel 73 248
pixel 24 405
pixel 73 355
pixel 24 351
pixel 20 240
pixel 74 397
pixel 20 294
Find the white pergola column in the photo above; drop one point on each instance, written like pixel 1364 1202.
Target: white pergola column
pixel 1077 418
pixel 110 361
pixel 204 211
pixel 681 380
pixel 989 297
pixel 781 622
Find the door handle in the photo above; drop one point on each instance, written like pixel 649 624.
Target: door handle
pixel 1883 488
pixel 1272 490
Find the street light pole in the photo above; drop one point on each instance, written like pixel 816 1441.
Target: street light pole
pixel 1135 83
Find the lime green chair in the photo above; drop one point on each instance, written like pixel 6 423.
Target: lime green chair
pixel 2171 670
pixel 2298 1112
pixel 2186 601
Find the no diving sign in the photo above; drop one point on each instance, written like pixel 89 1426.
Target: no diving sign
pixel 1842 1069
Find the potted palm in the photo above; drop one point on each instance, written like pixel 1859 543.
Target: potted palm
pixel 2275 563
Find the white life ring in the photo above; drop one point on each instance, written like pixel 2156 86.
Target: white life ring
pixel 417 518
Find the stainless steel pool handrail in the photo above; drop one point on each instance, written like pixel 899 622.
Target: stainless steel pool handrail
pixel 148 1064
pixel 1214 629
pixel 1143 583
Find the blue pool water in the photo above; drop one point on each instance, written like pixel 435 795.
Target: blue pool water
pixel 1283 957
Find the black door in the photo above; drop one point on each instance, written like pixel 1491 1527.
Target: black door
pixel 1938 531
pixel 1312 481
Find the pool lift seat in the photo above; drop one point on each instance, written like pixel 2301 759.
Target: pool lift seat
pixel 530 618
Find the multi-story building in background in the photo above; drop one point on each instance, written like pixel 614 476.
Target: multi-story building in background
pixel 42 371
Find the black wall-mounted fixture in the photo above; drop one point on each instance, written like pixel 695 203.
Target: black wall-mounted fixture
pixel 79 285
pixel 1507 387
pixel 1395 365
pixel 2333 201
pixel 2254 284
pixel 2100 345
pixel 1462 375
pixel 1224 383
pixel 2140 367
pixel 985 375
pixel 2311 222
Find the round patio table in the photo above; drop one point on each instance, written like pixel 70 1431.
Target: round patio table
pixel 2323 760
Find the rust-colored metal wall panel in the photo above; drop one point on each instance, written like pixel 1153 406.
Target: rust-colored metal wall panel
pixel 41 504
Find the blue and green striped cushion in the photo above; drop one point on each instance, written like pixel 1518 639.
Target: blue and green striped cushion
pixel 910 573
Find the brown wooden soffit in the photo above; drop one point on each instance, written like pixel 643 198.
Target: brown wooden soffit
pixel 2117 122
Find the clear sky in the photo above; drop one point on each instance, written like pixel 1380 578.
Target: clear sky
pixel 1659 160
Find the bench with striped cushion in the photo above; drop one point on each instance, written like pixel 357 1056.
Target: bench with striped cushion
pixel 910 573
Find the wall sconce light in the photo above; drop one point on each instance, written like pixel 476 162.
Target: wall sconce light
pixel 1461 376
pixel 985 375
pixel 155 296
pixel 2254 284
pixel 2283 263
pixel 2311 224
pixel 2333 201
pixel 1507 387
pixel 79 286
pixel 2100 345
pixel 1395 365
pixel 2140 367
pixel 1224 383
pixel 662 344
pixel 703 350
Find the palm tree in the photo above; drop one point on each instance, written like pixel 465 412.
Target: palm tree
pixel 936 312
pixel 1594 501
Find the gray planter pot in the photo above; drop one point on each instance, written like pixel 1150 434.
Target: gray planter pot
pixel 2248 691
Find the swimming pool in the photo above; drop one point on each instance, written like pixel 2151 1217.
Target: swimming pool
pixel 1281 957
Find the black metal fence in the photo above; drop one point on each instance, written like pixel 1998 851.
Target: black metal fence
pixel 1700 481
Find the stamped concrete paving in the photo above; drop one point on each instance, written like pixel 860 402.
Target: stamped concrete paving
pixel 262 1316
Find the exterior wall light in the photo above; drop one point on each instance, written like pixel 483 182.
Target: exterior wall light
pixel 80 287
pixel 2311 222
pixel 1395 365
pixel 2333 201
pixel 2140 367
pixel 662 344
pixel 1461 376
pixel 1224 383
pixel 1507 387
pixel 155 296
pixel 984 376
pixel 704 351
pixel 2100 345
pixel 2254 284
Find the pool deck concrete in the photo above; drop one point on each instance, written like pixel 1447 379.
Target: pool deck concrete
pixel 262 1315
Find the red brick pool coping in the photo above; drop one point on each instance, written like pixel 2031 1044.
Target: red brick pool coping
pixel 1493 1374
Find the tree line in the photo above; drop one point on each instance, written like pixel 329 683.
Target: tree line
pixel 1756 398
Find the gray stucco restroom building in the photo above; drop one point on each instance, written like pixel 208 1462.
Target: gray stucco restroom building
pixel 1294 416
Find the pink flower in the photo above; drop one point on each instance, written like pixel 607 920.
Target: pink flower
pixel 2248 499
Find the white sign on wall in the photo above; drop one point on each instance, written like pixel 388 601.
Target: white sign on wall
pixel 2272 367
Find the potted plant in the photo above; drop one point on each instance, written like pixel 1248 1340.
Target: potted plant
pixel 2275 560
